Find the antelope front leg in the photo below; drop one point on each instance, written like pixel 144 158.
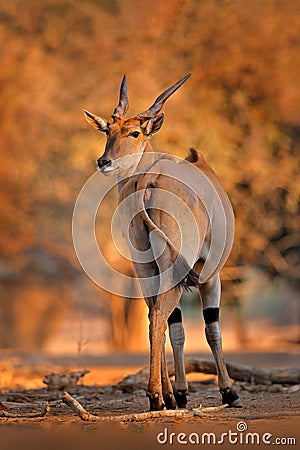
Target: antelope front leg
pixel 157 330
pixel 210 294
pixel 167 388
pixel 158 316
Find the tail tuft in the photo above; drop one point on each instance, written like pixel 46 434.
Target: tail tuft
pixel 184 275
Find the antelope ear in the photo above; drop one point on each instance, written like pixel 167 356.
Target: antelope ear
pixel 96 122
pixel 153 125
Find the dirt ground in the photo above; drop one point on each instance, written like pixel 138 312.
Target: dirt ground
pixel 273 409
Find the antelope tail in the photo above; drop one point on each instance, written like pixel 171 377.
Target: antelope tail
pixel 182 272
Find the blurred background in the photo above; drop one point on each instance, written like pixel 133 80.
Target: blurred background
pixel 241 108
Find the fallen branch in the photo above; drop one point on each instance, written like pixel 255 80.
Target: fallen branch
pixel 237 372
pixel 8 415
pixel 139 417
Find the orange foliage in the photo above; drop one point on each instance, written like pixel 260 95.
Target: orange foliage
pixel 241 108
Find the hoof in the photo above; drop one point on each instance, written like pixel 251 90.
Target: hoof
pixel 230 397
pixel 156 403
pixel 181 398
pixel 170 401
pixel 237 404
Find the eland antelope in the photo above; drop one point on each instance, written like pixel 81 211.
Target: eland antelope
pixel 162 202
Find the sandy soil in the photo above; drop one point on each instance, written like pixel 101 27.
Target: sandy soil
pixel 268 409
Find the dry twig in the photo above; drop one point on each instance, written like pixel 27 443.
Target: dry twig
pixel 139 417
pixel 8 415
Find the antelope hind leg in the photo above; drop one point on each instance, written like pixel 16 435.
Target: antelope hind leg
pixel 210 294
pixel 177 338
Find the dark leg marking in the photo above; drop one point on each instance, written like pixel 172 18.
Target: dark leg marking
pixel 175 316
pixel 211 315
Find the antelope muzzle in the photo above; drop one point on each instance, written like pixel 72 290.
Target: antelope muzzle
pixel 103 163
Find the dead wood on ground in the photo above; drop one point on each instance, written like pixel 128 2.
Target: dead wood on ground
pixel 139 417
pixel 8 415
pixel 238 372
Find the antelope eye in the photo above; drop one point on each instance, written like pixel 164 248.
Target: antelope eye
pixel 135 134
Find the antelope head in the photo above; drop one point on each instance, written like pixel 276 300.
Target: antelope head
pixel 128 137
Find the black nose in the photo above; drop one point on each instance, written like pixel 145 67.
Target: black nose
pixel 103 162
